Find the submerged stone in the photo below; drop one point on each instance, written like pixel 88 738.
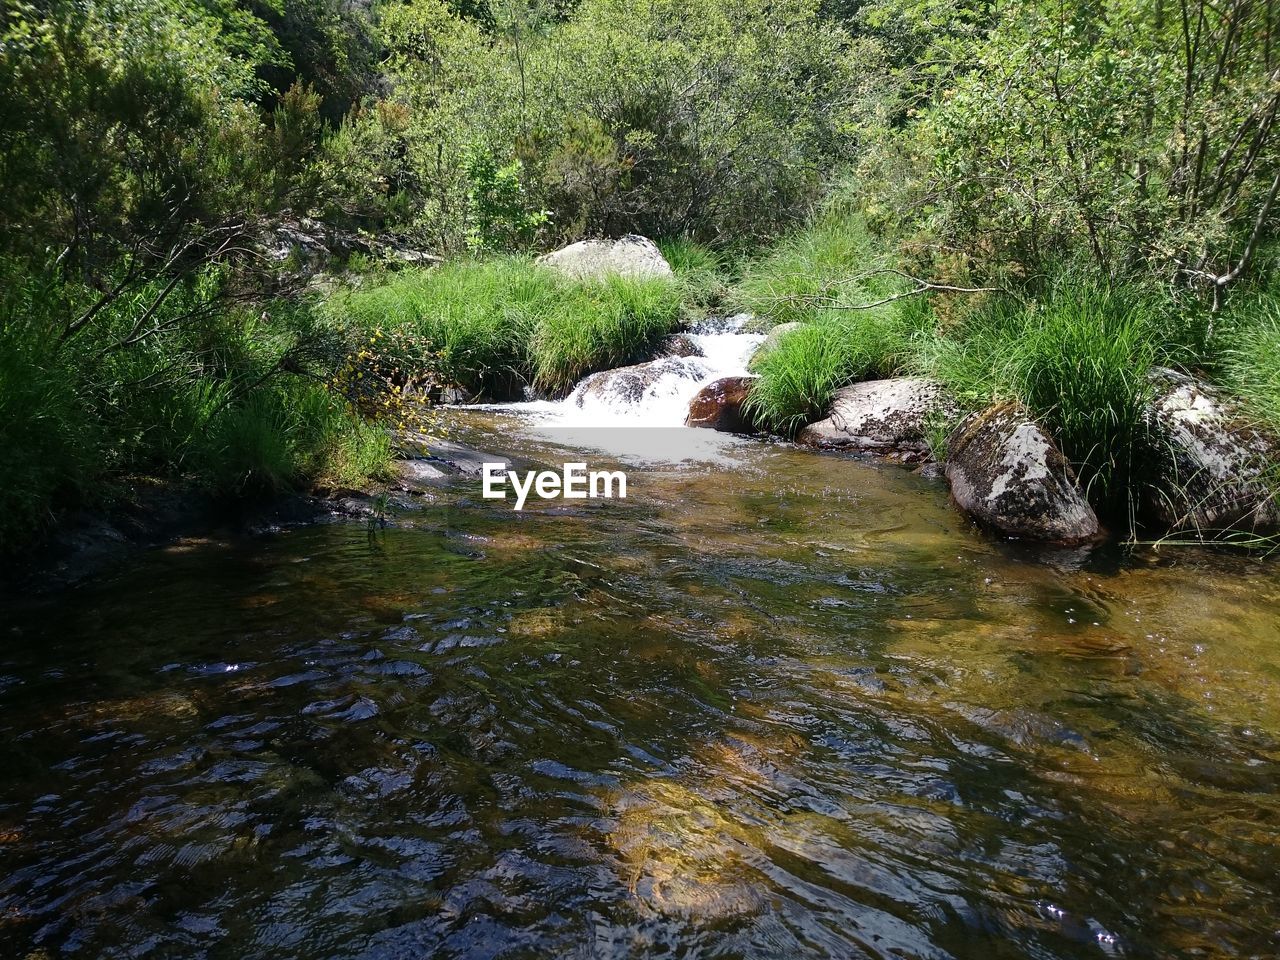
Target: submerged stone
pixel 885 417
pixel 1213 464
pixel 1007 473
pixel 719 406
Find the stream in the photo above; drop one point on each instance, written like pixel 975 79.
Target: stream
pixel 772 704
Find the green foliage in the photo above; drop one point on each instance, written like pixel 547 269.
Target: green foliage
pixel 200 390
pixel 498 213
pixel 496 325
pixel 695 116
pixel 1251 365
pixel 704 273
pixel 595 326
pixel 51 445
pixel 1129 134
pixel 830 264
pixel 279 437
pixel 1078 361
pixel 801 373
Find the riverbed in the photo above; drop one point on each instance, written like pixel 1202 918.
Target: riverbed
pixel 772 704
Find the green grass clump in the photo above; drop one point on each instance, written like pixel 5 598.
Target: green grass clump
pixel 703 273
pixel 1078 361
pixel 50 443
pixel 501 323
pixel 595 326
pixel 799 376
pixel 222 395
pixel 479 315
pixel 278 438
pixel 1251 365
pixel 826 264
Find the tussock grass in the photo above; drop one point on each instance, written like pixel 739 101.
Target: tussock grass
pixel 704 274
pixel 1251 365
pixel 207 399
pixel 799 376
pixel 504 322
pixel 814 268
pixel 1079 362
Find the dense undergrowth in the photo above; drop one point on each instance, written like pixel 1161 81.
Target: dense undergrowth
pixel 232 399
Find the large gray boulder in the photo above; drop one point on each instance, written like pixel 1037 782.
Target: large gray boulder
pixel 1212 464
pixel 885 417
pixel 630 256
pixel 719 406
pixel 1010 476
pixel 629 385
pixel 771 341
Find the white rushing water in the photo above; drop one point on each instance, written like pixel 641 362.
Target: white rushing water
pixel 637 413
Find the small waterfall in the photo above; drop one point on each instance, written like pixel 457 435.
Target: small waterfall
pixel 657 393
pixel 637 413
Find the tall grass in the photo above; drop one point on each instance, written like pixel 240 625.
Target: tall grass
pixel 823 278
pixel 833 262
pixel 226 397
pixel 505 322
pixel 705 275
pixel 1251 365
pixel 798 377
pixel 1079 362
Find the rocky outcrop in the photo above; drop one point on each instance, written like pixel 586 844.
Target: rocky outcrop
pixel 1010 476
pixel 886 417
pixel 630 256
pixel 1212 464
pixel 628 385
pixel 311 246
pixel 719 406
pixel 771 340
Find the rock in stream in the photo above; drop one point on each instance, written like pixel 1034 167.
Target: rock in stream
pixel 1007 473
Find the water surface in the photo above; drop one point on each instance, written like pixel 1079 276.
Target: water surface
pixel 780 706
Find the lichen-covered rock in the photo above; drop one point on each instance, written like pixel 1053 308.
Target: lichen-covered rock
pixel 719 406
pixel 884 417
pixel 1010 476
pixel 629 385
pixel 1211 463
pixel 630 256
pixel 771 341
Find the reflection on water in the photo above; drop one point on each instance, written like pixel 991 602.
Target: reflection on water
pixel 793 708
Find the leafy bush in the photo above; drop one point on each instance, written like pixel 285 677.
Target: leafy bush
pixel 702 117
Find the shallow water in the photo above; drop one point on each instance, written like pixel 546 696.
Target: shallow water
pixel 784 705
